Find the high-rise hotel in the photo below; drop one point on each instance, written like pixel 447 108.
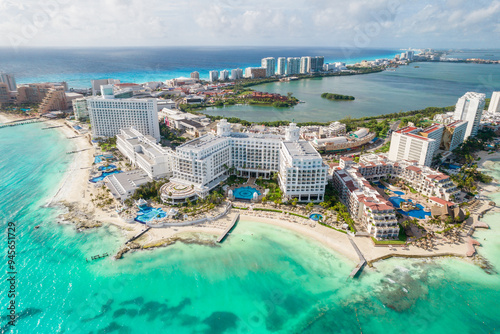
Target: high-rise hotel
pixel 109 114
pixel 470 108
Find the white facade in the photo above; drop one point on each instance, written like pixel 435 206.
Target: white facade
pixel 304 64
pixel 80 109
pixel 224 75
pixel 303 175
pixel 236 74
pixel 407 144
pixel 470 108
pixel 144 152
pixel 109 115
pixel 292 65
pixel 269 64
pixel 96 84
pixel 204 162
pixel 213 76
pixel 494 103
pixel 454 135
pixel 281 66
pixel 9 80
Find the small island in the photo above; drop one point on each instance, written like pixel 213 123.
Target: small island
pixel 337 97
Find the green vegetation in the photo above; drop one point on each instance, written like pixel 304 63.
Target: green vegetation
pixel 275 192
pixel 169 135
pixel 337 97
pixel 336 229
pixel 384 148
pixel 149 191
pixel 107 144
pixel 270 210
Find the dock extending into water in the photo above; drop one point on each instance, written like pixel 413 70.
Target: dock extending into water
pixel 362 260
pixel 96 257
pixel 229 228
pixel 138 236
pixel 16 123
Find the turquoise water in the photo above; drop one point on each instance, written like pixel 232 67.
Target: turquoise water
pixel 147 213
pixel 245 192
pixel 407 88
pixel 262 279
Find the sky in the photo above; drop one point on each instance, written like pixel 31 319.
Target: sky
pixel 335 23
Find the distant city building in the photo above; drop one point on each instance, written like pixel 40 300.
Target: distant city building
pixel 494 103
pixel 5 97
pixel 213 76
pixel 9 80
pixel 281 66
pixel 236 74
pixel 96 84
pixel 255 72
pixel 108 114
pixel 304 64
pixel 269 64
pixel 410 55
pixel 315 64
pixel 224 75
pixel 470 108
pixel 195 75
pixel 292 65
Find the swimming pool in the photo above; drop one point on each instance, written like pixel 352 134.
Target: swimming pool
pixel 400 193
pixel 245 193
pixel 147 213
pixel 419 214
pixel 103 175
pixel 103 157
pixel 107 167
pixel 380 185
pixel 396 201
pixel 316 216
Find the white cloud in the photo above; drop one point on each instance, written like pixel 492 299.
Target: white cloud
pixel 446 23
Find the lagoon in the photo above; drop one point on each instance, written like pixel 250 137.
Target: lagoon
pixel 433 84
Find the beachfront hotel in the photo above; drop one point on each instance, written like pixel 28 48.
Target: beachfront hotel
pixel 199 165
pixel 470 108
pixel 366 205
pixel 109 114
pixel 412 143
pixel 144 152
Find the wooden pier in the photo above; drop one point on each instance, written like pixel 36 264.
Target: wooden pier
pixel 228 229
pixel 362 260
pixel 52 127
pixel 16 123
pixel 138 236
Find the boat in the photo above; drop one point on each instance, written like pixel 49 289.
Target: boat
pixel 37 227
pixel 416 66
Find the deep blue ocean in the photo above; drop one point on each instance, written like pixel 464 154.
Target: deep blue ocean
pixel 79 66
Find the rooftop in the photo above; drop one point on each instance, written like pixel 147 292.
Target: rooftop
pixel 301 150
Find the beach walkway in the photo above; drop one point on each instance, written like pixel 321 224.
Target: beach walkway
pixel 362 260
pixel 16 123
pixel 228 229
pixel 137 236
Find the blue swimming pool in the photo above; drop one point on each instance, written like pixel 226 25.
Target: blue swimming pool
pixel 109 167
pixel 103 157
pixel 380 185
pixel 396 201
pixel 245 193
pixel 316 216
pixel 147 213
pixel 419 214
pixel 399 193
pixel 103 175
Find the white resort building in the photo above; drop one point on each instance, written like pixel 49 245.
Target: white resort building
pixel 144 152
pixel 108 115
pixel 470 108
pixel 198 166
